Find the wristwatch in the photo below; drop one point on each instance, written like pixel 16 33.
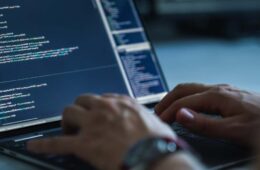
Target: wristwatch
pixel 151 150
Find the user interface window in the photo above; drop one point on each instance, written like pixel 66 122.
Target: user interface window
pixel 51 51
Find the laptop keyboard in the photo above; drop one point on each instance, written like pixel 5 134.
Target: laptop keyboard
pixel 62 162
pixel 213 152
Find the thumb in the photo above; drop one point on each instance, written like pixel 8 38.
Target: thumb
pixel 201 123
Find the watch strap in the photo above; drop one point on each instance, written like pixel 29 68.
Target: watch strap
pixel 180 144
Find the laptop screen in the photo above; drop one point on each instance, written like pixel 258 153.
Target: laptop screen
pixel 52 51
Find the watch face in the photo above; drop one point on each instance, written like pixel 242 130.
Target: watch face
pixel 172 147
pixel 148 151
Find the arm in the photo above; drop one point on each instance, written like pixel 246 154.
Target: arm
pixel 181 160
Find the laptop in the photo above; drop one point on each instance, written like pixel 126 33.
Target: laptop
pixel 53 51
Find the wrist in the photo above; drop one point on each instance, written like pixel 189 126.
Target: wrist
pixel 147 152
pixel 179 160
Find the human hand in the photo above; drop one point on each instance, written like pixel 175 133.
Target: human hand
pixel 240 111
pixel 101 129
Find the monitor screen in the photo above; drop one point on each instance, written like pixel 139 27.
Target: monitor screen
pixel 53 51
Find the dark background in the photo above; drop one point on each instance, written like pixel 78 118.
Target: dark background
pixel 207 41
pixel 208 18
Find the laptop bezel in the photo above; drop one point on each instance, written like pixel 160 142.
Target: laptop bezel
pixel 55 124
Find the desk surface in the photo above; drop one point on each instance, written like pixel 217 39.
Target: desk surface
pixel 206 61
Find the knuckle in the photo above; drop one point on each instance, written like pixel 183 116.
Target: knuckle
pixel 183 86
pixel 68 109
pixel 107 103
pixel 228 87
pixel 80 98
pixel 180 86
pixel 218 91
pixel 126 100
pixel 86 96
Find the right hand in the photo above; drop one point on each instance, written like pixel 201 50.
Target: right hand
pixel 101 130
pixel 240 111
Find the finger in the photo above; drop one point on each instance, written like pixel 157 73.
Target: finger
pixel 57 145
pixel 204 124
pixel 88 101
pixel 180 91
pixel 119 97
pixel 203 102
pixel 73 119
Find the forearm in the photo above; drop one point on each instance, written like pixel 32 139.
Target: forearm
pixel 181 160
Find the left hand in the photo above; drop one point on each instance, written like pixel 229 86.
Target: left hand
pixel 239 111
pixel 101 129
